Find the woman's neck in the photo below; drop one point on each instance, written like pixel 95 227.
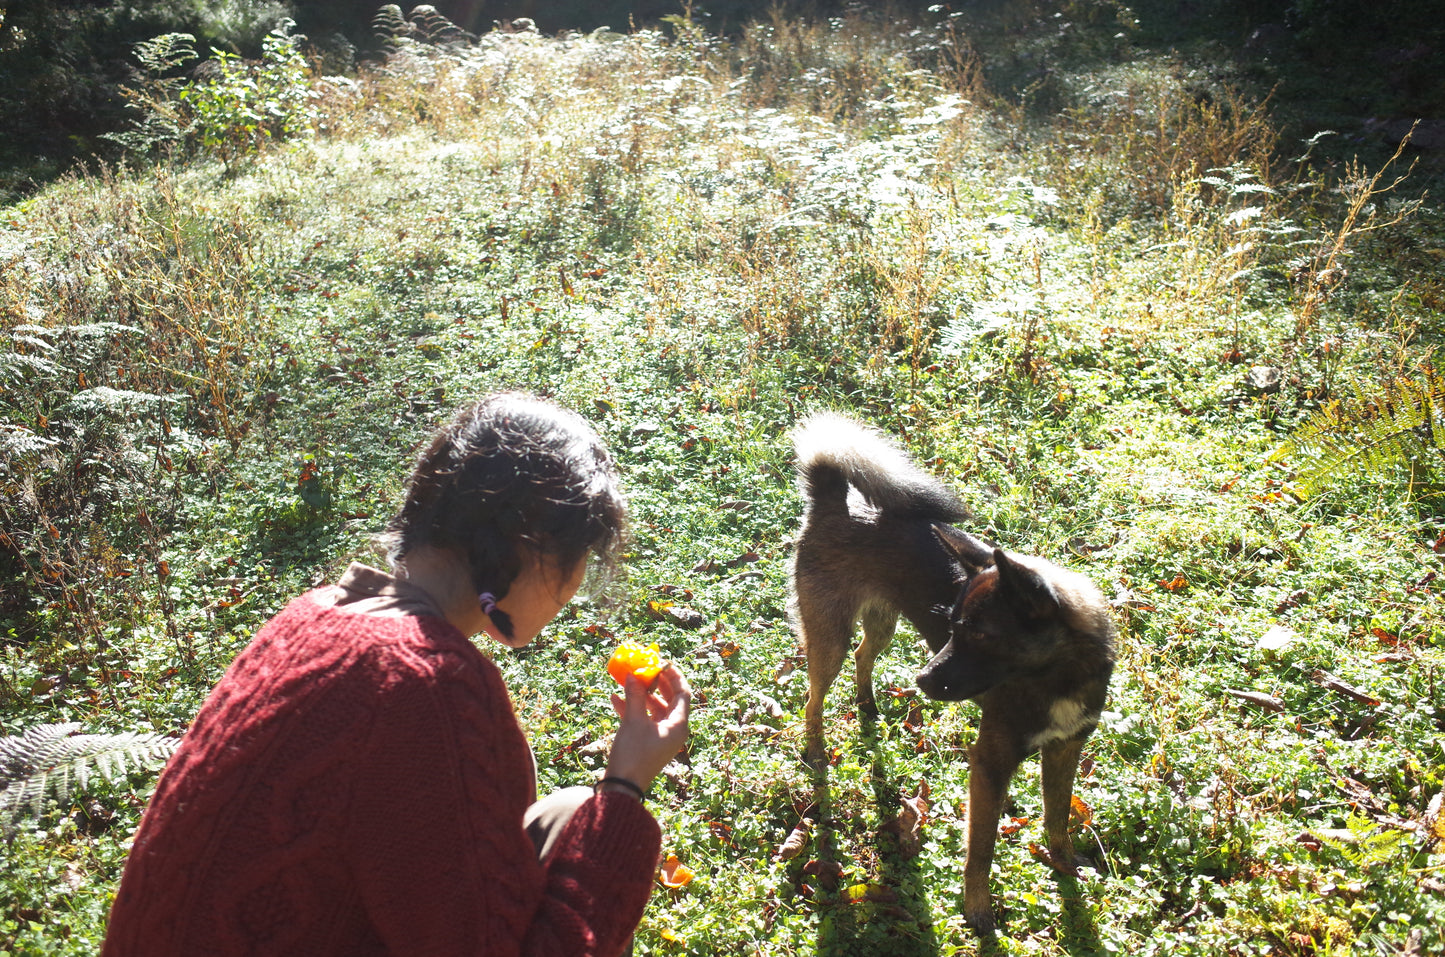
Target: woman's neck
pixel 447 581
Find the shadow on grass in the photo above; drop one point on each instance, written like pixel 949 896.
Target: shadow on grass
pixel 900 922
pixel 896 920
pixel 1076 931
pixel 1080 935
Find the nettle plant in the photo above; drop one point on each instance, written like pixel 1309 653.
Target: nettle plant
pixel 234 109
pixel 250 104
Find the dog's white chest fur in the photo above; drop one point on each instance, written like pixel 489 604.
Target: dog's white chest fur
pixel 1067 717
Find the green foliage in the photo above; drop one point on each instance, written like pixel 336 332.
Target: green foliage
pixel 79 460
pixel 1373 435
pixel 64 65
pixel 50 762
pixel 117 380
pixel 1399 33
pixel 246 106
pixel 240 26
pixel 693 240
pixel 158 120
pixel 1365 846
pixel 166 53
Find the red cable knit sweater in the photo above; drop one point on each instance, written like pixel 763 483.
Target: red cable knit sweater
pixel 355 785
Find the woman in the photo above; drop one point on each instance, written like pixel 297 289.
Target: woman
pixel 357 782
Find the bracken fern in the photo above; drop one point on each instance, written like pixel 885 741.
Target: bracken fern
pixel 51 760
pixel 1403 425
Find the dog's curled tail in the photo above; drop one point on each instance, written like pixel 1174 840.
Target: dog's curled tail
pixel 835 452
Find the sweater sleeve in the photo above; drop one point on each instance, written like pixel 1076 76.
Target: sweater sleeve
pixel 443 864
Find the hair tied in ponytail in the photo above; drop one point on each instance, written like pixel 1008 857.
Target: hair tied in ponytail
pixel 501 619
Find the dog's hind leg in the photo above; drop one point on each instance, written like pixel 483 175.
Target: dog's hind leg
pixel 878 627
pixel 1059 760
pixel 827 632
pixel 991 764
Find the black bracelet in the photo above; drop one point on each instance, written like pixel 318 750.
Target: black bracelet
pixel 629 785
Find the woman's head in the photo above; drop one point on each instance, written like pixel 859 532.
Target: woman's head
pixel 513 482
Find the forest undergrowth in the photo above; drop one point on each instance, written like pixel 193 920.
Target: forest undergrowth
pixel 1138 333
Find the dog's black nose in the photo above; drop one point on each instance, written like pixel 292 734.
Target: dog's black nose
pixel 932 684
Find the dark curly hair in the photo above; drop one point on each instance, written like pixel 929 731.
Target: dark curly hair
pixel 511 479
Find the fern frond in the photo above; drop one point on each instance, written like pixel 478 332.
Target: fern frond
pixel 1402 425
pixel 388 24
pixel 51 760
pixel 434 26
pixel 166 52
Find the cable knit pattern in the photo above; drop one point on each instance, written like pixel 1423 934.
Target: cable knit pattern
pixel 355 785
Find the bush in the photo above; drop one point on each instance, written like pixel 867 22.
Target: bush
pixel 250 104
pixel 62 65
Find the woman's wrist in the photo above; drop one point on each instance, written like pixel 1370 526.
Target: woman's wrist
pixel 613 782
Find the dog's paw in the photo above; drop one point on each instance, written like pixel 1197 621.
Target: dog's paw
pixel 1064 862
pixel 978 909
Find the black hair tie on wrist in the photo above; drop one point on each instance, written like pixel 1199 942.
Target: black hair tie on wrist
pixel 629 785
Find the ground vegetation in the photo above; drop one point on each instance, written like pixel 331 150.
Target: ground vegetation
pixel 1133 319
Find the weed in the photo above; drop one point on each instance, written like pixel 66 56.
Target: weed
pixel 1374 434
pixel 239 107
pixel 1326 267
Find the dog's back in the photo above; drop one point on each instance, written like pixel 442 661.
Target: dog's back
pixel 867 537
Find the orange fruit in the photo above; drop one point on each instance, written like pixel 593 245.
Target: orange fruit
pixel 630 658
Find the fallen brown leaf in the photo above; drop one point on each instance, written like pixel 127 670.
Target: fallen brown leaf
pixel 796 840
pixel 1326 680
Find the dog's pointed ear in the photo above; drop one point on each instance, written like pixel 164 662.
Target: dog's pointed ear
pixel 1031 588
pixel 972 553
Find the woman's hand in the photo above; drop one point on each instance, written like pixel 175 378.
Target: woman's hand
pixel 654 726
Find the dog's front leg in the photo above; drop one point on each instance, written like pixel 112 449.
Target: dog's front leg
pixel 992 761
pixel 1059 760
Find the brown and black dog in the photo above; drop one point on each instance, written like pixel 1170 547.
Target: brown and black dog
pixel 1031 642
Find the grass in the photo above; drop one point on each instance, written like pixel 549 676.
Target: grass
pixel 693 241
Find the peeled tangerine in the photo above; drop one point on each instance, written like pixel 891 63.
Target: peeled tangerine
pixel 675 873
pixel 631 658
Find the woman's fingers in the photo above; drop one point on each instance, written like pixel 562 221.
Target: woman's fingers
pixel 670 701
pixel 672 692
pixel 669 691
pixel 677 704
pixel 653 726
pixel 637 702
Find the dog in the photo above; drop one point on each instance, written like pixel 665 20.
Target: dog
pixel 1031 642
